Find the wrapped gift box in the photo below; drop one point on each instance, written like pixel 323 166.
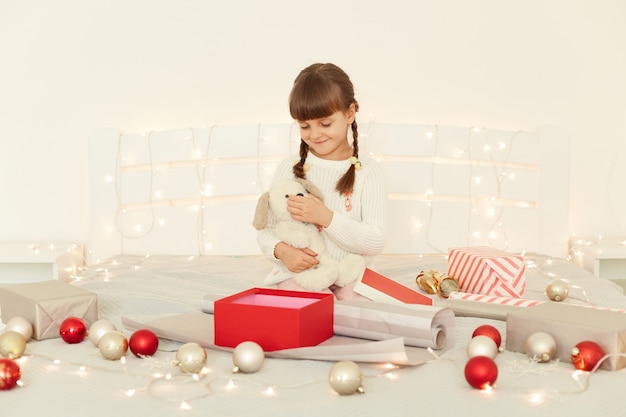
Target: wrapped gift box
pixel 485 270
pixel 46 304
pixel 569 325
pixel 379 288
pixel 275 319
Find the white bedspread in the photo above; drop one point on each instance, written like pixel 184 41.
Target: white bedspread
pixel 61 379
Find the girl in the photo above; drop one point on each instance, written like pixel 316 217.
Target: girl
pixel 352 218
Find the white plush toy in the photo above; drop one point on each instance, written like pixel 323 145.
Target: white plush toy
pixel 271 212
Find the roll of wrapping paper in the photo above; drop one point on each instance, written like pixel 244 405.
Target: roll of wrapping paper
pixel 419 325
pixel 435 282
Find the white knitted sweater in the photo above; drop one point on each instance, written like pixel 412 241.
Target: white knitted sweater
pixel 361 230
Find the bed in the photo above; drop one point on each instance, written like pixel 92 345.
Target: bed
pixel 171 227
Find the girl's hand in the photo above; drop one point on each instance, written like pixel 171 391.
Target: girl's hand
pixel 295 259
pixel 309 209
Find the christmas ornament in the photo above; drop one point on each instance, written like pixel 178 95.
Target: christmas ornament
pixel 345 378
pixel 143 343
pixel 489 331
pixel 10 373
pixel 73 330
pixel 248 357
pixel 12 344
pixel 98 329
pixel 586 355
pixel 191 358
pixel 20 325
pixel 481 372
pixel 482 346
pixel 447 286
pixel 540 347
pixel 557 290
pixel 434 282
pixel 427 282
pixel 113 345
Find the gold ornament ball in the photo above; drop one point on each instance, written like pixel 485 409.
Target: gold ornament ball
pixel 248 357
pixel 557 290
pixel 345 378
pixel 113 345
pixel 98 329
pixel 12 344
pixel 20 325
pixel 540 346
pixel 191 358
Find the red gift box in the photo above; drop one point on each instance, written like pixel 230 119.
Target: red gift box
pixel 485 270
pixel 275 319
pixel 378 287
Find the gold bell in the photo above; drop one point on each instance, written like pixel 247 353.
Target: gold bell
pixel 427 282
pixel 434 282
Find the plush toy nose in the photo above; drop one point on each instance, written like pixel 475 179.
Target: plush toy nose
pixel 300 194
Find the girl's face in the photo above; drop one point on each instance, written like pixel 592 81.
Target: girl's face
pixel 328 137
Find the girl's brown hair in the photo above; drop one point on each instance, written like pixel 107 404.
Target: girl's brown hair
pixel 319 91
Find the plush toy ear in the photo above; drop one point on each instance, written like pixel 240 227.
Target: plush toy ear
pixel 311 188
pixel 261 215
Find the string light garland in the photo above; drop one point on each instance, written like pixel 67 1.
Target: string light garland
pixel 480 151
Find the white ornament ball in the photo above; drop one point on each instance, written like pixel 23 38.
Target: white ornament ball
pixel 21 326
pixel 113 345
pixel 248 357
pixel 191 358
pixel 345 378
pixel 557 290
pixel 482 345
pixel 98 329
pixel 541 347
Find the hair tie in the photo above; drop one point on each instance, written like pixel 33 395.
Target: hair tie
pixel 305 167
pixel 355 162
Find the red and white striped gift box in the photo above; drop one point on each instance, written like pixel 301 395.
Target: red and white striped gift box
pixel 485 270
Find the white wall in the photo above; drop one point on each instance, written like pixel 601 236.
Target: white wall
pixel 70 67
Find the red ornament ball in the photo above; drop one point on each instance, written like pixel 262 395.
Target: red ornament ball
pixel 143 343
pixel 73 330
pixel 586 355
pixel 10 373
pixel 481 372
pixel 489 331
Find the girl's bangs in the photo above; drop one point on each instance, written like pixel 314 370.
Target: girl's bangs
pixel 314 102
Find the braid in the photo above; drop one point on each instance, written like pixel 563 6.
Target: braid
pixel 298 168
pixel 346 182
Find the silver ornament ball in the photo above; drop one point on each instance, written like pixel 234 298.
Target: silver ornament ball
pixel 21 326
pixel 345 378
pixel 557 290
pixel 98 329
pixel 482 345
pixel 541 347
pixel 248 357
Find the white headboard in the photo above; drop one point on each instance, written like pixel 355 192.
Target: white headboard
pixel 193 191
